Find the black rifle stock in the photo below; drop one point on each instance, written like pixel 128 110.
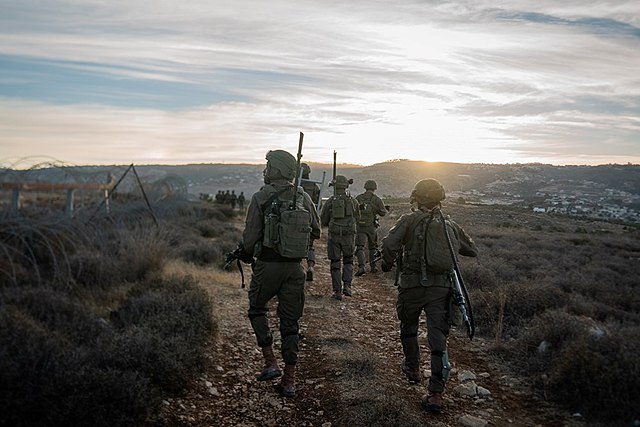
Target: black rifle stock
pixel 237 256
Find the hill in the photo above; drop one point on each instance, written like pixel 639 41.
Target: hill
pixel 606 191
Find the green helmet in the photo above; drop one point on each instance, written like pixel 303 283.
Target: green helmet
pixel 306 170
pixel 427 191
pixel 370 185
pixel 341 181
pixel 282 161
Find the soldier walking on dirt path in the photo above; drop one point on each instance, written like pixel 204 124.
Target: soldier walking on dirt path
pixel 340 213
pixel 371 206
pixel 424 284
pixel 273 274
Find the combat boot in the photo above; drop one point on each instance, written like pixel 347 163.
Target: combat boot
pixel 432 402
pixel 346 289
pixel 270 370
pixel 360 271
pixel 374 269
pixel 413 374
pixel 337 295
pixel 287 383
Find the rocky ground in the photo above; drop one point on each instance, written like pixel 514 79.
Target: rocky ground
pixel 349 368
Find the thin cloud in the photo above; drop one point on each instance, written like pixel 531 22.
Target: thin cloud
pixel 194 81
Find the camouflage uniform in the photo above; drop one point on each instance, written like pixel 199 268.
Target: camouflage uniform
pixel 274 275
pixel 434 297
pixel 367 234
pixel 341 239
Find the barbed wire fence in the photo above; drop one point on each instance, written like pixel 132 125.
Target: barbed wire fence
pixel 50 211
pixel 34 188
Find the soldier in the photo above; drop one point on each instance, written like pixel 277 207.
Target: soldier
pixel 422 288
pixel 233 198
pixel 226 198
pixel 274 274
pixel 341 213
pixel 313 191
pixel 370 207
pixel 241 200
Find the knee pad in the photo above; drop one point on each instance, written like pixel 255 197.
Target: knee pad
pixel 348 259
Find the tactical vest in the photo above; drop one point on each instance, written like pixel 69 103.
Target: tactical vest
pixel 427 249
pixel 367 210
pixel 342 220
pixel 287 228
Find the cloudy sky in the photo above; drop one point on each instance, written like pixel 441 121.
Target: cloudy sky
pixel 212 81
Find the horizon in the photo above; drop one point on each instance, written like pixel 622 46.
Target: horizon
pixel 59 163
pixel 144 82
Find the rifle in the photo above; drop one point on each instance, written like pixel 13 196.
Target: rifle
pixel 238 254
pixel 377 256
pixel 334 172
pixel 298 179
pixel 298 174
pixel 460 294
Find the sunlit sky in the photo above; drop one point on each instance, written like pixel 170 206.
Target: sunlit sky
pixel 212 81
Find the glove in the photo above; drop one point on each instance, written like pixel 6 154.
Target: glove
pixel 243 256
pixel 386 267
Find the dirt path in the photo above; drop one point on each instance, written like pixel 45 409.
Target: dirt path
pixel 349 368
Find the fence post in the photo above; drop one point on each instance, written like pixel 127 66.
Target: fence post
pixel 69 207
pixel 15 202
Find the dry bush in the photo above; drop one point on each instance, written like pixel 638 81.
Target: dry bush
pixel 63 359
pixel 379 407
pixel 606 371
pixel 368 402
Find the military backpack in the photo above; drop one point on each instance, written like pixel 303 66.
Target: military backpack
pixel 287 228
pixel 367 211
pixel 342 215
pixel 430 249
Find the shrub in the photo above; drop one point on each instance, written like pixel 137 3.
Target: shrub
pixel 48 379
pixel 165 326
pixel 61 364
pixel 202 253
pixel 606 370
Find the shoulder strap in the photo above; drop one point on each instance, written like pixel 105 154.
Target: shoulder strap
pixel 414 223
pixel 273 197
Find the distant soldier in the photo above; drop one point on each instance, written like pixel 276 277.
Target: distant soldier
pixel 370 206
pixel 219 197
pixel 312 189
pixel 227 198
pixel 233 198
pixel 340 213
pixel 273 274
pixel 425 283
pixel 241 200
